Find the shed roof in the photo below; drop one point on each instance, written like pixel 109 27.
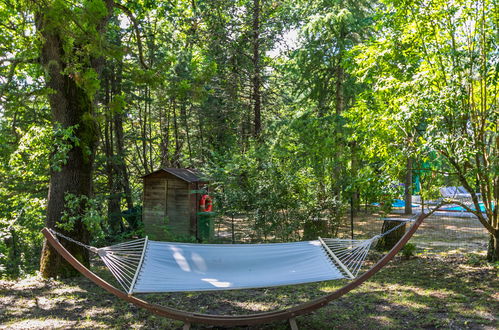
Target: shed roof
pixel 186 174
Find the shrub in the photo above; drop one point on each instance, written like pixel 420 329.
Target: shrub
pixel 408 250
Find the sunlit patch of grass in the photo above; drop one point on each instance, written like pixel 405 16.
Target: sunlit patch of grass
pixel 93 311
pixel 46 323
pixel 256 306
pixel 65 290
pixel 383 320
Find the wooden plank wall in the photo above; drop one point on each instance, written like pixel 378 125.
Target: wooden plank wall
pixel 194 208
pixel 178 206
pixel 169 202
pixel 154 207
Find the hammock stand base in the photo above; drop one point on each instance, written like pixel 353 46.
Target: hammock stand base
pixel 234 320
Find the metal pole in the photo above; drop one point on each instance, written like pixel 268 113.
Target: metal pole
pixel 233 234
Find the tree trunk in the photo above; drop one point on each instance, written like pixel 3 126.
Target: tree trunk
pixel 113 199
pixel 493 249
pixel 338 167
pixel 257 97
pixel 355 201
pixel 387 242
pixel 408 187
pixel 122 169
pixel 71 107
pixel 116 89
pixel 178 148
pixel 165 138
pixel 340 101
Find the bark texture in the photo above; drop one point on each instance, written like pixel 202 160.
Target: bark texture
pixel 388 242
pixel 493 249
pixel 71 106
pixel 257 97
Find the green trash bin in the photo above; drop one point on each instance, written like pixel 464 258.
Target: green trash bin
pixel 205 226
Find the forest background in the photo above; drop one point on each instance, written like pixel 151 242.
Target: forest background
pixel 294 109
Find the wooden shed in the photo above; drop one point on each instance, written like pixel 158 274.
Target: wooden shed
pixel 171 201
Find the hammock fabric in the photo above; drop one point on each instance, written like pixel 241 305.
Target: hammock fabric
pixel 171 267
pixel 146 266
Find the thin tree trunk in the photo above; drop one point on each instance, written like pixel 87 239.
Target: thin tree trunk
pixel 338 168
pixel 176 157
pixel 165 140
pixel 408 187
pixel 119 135
pixel 187 136
pixel 256 95
pixel 114 199
pixel 340 102
pixel 151 146
pixel 143 133
pixel 493 248
pixel 355 205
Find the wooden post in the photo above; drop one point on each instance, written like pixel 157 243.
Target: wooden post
pixel 292 323
pixel 187 326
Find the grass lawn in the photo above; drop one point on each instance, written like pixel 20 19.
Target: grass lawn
pixel 438 290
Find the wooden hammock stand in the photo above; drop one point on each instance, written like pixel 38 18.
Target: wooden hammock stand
pixel 235 320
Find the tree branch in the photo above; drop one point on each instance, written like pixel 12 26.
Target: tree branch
pixel 10 76
pixel 478 214
pixel 137 32
pixel 18 60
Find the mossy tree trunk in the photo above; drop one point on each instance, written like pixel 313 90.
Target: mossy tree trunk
pixel 71 107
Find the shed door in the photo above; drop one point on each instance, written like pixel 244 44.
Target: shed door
pixel 154 208
pixel 178 207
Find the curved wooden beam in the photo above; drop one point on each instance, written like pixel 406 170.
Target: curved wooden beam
pixel 234 320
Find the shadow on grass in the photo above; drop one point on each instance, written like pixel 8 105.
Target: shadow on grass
pixel 424 292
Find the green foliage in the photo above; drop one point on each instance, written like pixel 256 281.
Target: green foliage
pixel 21 219
pixel 434 82
pixel 24 174
pixel 475 260
pixel 31 158
pixel 118 104
pixel 85 209
pixel 64 139
pixel 408 250
pixel 88 134
pixel 90 82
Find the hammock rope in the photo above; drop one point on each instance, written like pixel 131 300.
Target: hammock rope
pixel 148 266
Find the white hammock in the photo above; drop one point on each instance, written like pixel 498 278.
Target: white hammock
pixel 143 265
